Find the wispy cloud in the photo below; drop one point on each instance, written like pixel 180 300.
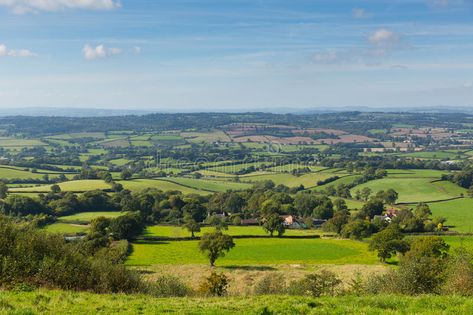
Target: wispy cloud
pixel 25 6
pixel 99 52
pixel 22 53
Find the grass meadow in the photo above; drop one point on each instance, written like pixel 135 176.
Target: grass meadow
pixel 258 251
pixel 60 302
pixel 459 213
pixel 413 190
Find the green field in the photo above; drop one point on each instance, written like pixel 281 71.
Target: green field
pixel 208 185
pixel 459 213
pixel 258 251
pixel 308 180
pixel 141 184
pixel 398 173
pixel 443 155
pixel 177 231
pixel 62 302
pixel 412 190
pixel 86 217
pixel 66 229
pixel 74 186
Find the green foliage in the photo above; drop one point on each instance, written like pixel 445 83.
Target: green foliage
pixel 214 285
pixel 388 242
pixel 34 257
pixel 215 244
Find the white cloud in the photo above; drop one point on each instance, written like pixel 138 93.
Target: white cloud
pixel 3 50
pixel 99 52
pixel 25 6
pixel 359 13
pixel 326 57
pixel 22 53
pixel 468 84
pixel 383 37
pixel 137 50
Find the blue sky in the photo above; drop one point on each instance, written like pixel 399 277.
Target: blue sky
pixel 235 54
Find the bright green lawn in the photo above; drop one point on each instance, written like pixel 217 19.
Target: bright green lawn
pixel 256 252
pixel 459 213
pixel 415 189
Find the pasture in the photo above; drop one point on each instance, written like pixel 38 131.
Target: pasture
pixel 66 228
pixel 459 213
pixel 177 231
pixel 141 184
pixel 308 180
pixel 208 185
pixel 73 186
pixel 413 190
pixel 86 217
pixel 256 252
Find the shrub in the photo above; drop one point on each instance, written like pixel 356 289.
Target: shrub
pixel 459 274
pixel 35 257
pixel 273 283
pixel 324 283
pixel 169 286
pixel 216 285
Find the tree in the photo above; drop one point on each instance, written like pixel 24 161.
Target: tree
pixel 3 190
pixel 429 246
pixel 217 222
pixel 215 244
pixel 273 222
pixel 126 174
pixel 388 242
pixel 422 211
pixel 357 229
pixel 366 193
pixel 55 189
pixel 336 223
pixel 191 225
pixel 391 196
pixel 372 208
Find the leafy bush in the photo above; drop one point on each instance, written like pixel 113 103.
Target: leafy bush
pixel 216 285
pixel 34 257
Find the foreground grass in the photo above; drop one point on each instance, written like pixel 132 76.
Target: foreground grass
pixel 59 302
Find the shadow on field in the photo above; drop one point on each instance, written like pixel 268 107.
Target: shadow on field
pixel 250 268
